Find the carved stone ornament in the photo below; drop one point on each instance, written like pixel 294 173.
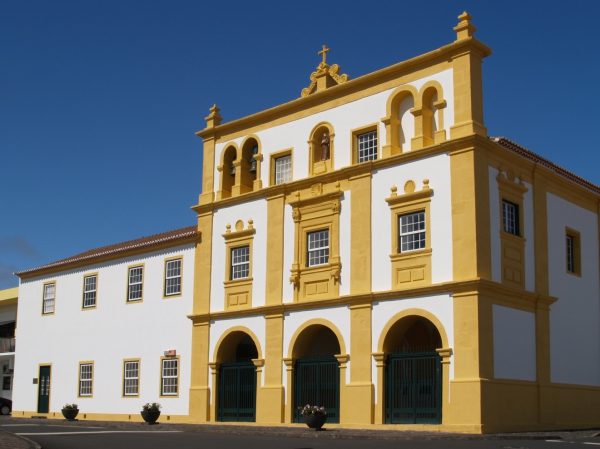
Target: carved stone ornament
pixel 331 72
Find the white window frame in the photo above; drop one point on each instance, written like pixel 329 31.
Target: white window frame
pixel 164 377
pixel 131 284
pixel 283 169
pixel 366 146
pixel 86 383
pixel 415 239
pixel 134 380
pixel 510 218
pixel 49 301
pixel 90 291
pixel 317 255
pixel 241 268
pixel 172 277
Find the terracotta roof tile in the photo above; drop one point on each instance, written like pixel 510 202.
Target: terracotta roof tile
pixel 143 243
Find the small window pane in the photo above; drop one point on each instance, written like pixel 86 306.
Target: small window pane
pixel 240 262
pixel 86 372
pixel 412 234
pixel 510 217
pixel 89 291
pixel 49 297
pixel 318 247
pixel 173 277
pixel 283 169
pixel 170 377
pixel 367 146
pixel 134 289
pixel 131 378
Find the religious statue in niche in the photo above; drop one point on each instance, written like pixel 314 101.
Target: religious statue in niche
pixel 325 146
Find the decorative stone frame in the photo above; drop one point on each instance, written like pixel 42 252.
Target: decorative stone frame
pixel 410 269
pixel 363 130
pixel 317 166
pixel 511 188
pixel 238 292
pixel 314 213
pixel 274 157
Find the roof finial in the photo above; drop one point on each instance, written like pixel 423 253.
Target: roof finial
pixel 214 118
pixel 465 28
pixel 323 52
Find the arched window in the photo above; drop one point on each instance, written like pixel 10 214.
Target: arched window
pixel 250 165
pixel 400 122
pixel 228 171
pixel 430 124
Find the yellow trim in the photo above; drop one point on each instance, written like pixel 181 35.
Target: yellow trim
pixel 139 362
pixel 316 165
pixel 238 292
pixel 164 291
pixel 257 182
pixel 9 295
pixel 217 351
pixel 223 168
pixel 85 276
pixel 393 145
pixel 360 233
pixel 354 133
pixel 410 268
pixel 160 387
pixel 275 236
pixel 315 321
pixel 274 157
pixel 81 363
pixel 576 237
pixel 43 295
pixel 130 267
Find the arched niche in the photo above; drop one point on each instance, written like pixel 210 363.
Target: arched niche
pixel 432 107
pixel 228 169
pixel 400 122
pixel 237 345
pixel 250 165
pixel 321 149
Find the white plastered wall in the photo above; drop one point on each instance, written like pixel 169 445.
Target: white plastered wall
pixel 440 306
pixel 257 211
pixel 437 170
pixel 344 118
pixel 256 324
pixel 495 229
pixel 111 332
pixel 575 316
pixel 514 344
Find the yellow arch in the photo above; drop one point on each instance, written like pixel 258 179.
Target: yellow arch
pixel 429 84
pixel 245 141
pixel 317 321
pixel 411 313
pixel 397 96
pixel 326 124
pixel 230 331
pixel 226 147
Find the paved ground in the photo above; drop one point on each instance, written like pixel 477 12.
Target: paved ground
pixel 59 434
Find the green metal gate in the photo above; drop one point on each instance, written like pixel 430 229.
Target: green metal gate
pixel 236 396
pixel 44 389
pixel 413 388
pixel 317 382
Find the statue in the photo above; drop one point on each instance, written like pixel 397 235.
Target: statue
pixel 325 146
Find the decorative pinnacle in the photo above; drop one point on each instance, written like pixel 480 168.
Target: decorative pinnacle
pixel 465 28
pixel 324 52
pixel 214 117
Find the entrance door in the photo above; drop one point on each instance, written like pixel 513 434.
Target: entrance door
pixel 44 390
pixel 317 382
pixel 237 392
pixel 413 388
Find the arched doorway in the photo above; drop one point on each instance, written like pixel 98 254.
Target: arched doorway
pixel 317 371
pixel 236 378
pixel 413 372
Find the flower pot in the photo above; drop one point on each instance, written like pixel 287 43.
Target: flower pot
pixel 150 416
pixel 315 421
pixel 70 413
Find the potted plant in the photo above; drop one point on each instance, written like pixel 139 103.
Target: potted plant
pixel 314 416
pixel 150 412
pixel 70 411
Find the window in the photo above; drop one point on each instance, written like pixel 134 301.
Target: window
pixel 131 378
pixel 48 298
pixel 510 217
pixel 89 291
pixel 134 284
pixel 86 376
pixel 6 383
pixel 318 247
pixel 573 248
pixel 283 169
pixel 412 232
pixel 169 377
pixel 173 277
pixel 367 146
pixel 240 262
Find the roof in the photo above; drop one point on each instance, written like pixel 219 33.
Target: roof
pixel 9 294
pixel 143 244
pixel 522 151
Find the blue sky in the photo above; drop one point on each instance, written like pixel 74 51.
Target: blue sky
pixel 99 100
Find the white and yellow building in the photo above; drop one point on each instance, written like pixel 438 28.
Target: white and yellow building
pixel 369 248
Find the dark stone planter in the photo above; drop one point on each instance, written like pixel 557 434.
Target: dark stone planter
pixel 315 421
pixel 70 413
pixel 150 416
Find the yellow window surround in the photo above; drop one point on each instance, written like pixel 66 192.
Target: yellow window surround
pixel 573 262
pixel 238 292
pixel 373 127
pixel 412 268
pixel 511 188
pixel 316 211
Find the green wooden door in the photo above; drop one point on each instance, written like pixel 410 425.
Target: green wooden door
pixel 236 396
pixel 413 388
pixel 317 382
pixel 44 390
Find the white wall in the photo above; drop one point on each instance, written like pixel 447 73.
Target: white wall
pixel 574 318
pixel 514 344
pixel 107 334
pixel 437 170
pixel 344 119
pixel 256 211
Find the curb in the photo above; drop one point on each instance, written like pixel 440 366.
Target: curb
pixel 30 444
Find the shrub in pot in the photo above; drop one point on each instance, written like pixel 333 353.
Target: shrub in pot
pixel 70 411
pixel 150 412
